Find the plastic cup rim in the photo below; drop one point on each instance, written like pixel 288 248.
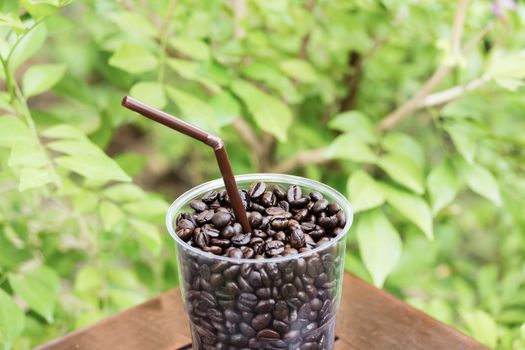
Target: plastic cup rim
pixel 192 193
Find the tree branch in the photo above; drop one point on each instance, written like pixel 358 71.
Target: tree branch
pixel 403 111
pixel 457 27
pixel 448 95
pixel 240 10
pixel 309 157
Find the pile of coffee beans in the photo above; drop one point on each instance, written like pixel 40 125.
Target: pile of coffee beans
pixel 281 304
pixel 282 222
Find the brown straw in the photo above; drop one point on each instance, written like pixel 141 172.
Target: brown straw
pixel 211 140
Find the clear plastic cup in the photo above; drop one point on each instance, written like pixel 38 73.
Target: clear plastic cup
pixel 288 302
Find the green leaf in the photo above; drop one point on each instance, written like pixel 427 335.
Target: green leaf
pixel 41 8
pixel 463 140
pixel 147 207
pixel 225 107
pixel 151 92
pixel 33 178
pixel 133 59
pixel 404 171
pixel 193 71
pixel 274 79
pixel 133 23
pixel 299 70
pixel 193 48
pixel 270 114
pixel 379 245
pixel 110 214
pixel 88 279
pixel 482 182
pixel 12 21
pixel 93 167
pixel 38 288
pixel 364 193
pixel 40 78
pixel 413 207
pixel 14 132
pixel 348 147
pixel 354 123
pixel 63 131
pixel 482 327
pixel 507 69
pixel 124 192
pixel 76 147
pixel 194 110
pixel 124 299
pixel 12 320
pixel 148 235
pixel 442 186
pixel 26 155
pixel 399 143
pixel 30 44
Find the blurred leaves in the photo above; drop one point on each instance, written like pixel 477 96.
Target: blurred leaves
pixel 379 244
pixel 38 288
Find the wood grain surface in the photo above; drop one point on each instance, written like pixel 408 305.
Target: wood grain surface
pixel 369 319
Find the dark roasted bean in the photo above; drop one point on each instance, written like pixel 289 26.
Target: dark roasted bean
pixel 256 189
pixel 241 239
pixel 274 248
pixel 333 208
pixel 198 205
pixel 297 239
pixel 268 199
pixel 221 219
pixel 255 218
pixel 315 196
pixel 210 197
pixel 294 193
pixel 320 206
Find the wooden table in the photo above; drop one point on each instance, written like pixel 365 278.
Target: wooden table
pixel 369 319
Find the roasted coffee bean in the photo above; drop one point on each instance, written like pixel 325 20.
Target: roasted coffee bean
pixel 315 196
pixel 290 251
pixel 235 253
pixel 333 208
pixel 288 291
pixel 255 218
pixel 268 199
pixel 320 206
pixel 299 203
pixel 227 232
pixel 245 198
pixel 198 205
pixel 261 321
pixel 274 248
pixel 256 189
pixel 247 330
pixel 223 197
pixel 279 223
pixel 223 243
pixel 204 217
pixel 265 306
pixel 301 214
pixel 210 197
pixel 280 236
pixel 213 249
pixel 279 192
pixel 297 239
pixel 241 239
pixel 285 205
pixel 184 233
pixel 341 218
pixel 210 231
pixel 328 221
pixel 221 219
pixel 274 211
pixel 294 193
pixel 267 334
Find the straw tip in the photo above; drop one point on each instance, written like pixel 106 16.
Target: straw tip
pixel 125 100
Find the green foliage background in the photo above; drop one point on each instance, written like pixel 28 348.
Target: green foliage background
pixel 414 109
